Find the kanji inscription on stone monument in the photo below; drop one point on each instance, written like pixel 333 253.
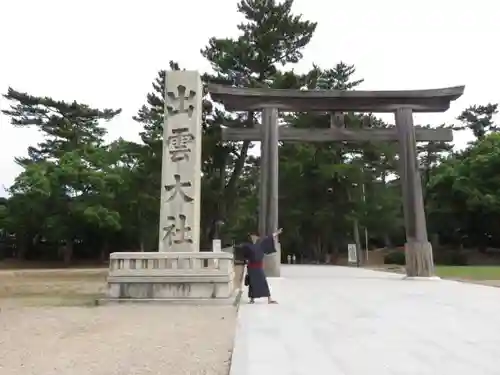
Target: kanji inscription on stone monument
pixel 178 189
pixel 178 144
pixel 181 163
pixel 177 232
pixel 180 103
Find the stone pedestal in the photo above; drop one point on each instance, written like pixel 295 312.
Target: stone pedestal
pixel 161 276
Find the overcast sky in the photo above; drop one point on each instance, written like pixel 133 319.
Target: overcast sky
pixel 106 53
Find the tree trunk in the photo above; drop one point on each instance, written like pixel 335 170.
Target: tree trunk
pixel 140 226
pixel 68 252
pixel 105 251
pixel 387 241
pixel 419 260
pixel 357 241
pixel 435 240
pixel 22 248
pixel 230 188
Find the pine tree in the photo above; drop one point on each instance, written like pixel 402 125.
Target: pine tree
pixel 151 115
pixel 66 176
pixel 270 36
pixel 66 126
pixel 479 119
pixel 337 78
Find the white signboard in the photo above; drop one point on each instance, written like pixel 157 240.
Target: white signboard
pixel 352 254
pixel 216 246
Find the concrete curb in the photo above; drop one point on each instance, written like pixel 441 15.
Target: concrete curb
pixel 237 303
pixel 170 301
pixel 418 278
pixel 239 291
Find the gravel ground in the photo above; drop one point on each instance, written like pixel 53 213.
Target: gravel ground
pixel 116 340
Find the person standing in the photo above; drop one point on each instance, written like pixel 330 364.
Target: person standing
pixel 254 253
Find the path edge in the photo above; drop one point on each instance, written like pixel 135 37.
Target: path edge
pixel 237 303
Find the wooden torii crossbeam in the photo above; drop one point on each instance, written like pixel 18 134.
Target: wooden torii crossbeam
pixel 337 134
pixel 245 99
pixel 401 103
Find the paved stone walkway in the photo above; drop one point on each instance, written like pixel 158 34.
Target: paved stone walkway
pixel 347 321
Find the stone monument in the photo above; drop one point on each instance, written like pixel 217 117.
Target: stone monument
pixel 178 271
pixel 181 164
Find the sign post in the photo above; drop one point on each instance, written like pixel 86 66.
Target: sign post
pixel 352 254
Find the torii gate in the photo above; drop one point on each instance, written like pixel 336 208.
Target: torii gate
pixel 419 260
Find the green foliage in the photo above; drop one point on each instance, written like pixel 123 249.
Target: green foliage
pixel 463 192
pixel 479 119
pixel 271 35
pixel 66 182
pixel 65 126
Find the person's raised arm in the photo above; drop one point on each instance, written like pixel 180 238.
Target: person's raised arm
pixel 278 232
pixel 267 244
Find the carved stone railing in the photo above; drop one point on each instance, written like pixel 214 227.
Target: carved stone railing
pixel 150 264
pixel 165 275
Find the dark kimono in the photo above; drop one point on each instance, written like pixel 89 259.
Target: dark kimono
pixel 254 258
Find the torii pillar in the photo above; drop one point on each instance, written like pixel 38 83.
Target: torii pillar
pixel 269 177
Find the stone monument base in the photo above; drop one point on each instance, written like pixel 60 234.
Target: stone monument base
pixel 176 277
pixel 423 278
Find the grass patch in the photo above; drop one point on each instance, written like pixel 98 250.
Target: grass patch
pixel 60 287
pixel 453 272
pixel 469 272
pixel 67 287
